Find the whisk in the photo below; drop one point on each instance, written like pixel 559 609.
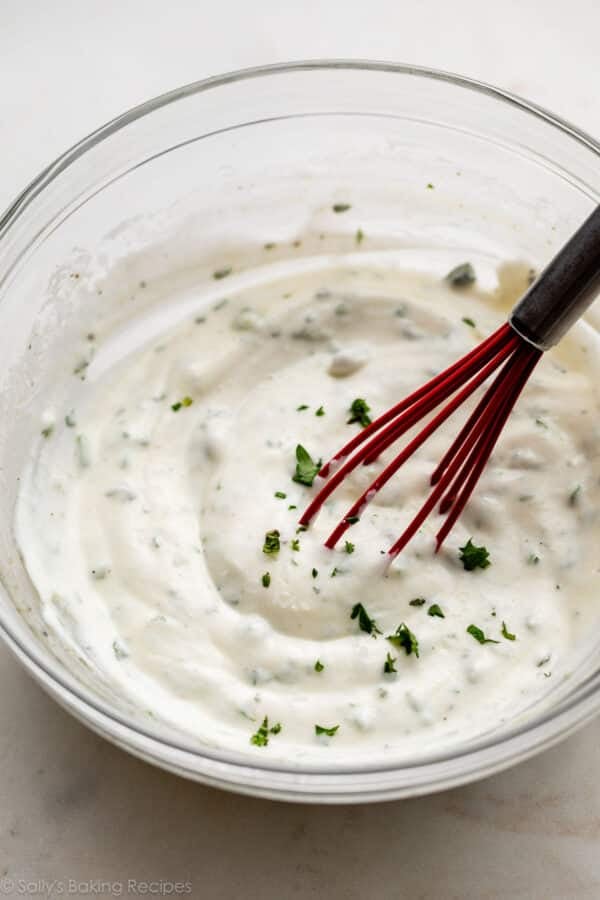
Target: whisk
pixel 553 302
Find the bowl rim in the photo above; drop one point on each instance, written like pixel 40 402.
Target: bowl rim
pixel 563 718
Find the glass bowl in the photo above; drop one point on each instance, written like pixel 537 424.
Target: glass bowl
pixel 250 157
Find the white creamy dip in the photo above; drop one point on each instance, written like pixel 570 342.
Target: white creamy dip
pixel 144 508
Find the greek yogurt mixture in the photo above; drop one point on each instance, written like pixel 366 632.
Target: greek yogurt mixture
pixel 158 519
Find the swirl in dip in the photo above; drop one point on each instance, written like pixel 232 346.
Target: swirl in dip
pixel 144 509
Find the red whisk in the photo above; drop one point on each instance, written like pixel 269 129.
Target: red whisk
pixel 552 304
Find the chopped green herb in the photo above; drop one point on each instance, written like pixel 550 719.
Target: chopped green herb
pixel 81 367
pixel 184 402
pixel 280 495
pixel 119 651
pixel 302 407
pixel 301 528
pixel 349 547
pixel 533 559
pixel 429 186
pixel 272 543
pixel 319 666
pixel 269 246
pixel 266 579
pixel 461 275
pixel 314 573
pixel 261 737
pixel 478 634
pixel 359 412
pixel 469 321
pixel 418 601
pixel 47 431
pixel 365 622
pixel 320 729
pixel 506 633
pixel 295 544
pixel 359 236
pixel 436 610
pixel 388 666
pixel 574 496
pixel 403 637
pixel 84 454
pixel 352 520
pixel 222 273
pixel 473 557
pixel 70 420
pixel 334 572
pixel 320 411
pixel 541 423
pixel 340 207
pixel 306 467
pixel 291 506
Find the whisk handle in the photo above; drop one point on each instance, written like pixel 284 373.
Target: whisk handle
pixel 563 291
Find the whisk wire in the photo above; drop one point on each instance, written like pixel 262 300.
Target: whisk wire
pixel 390 470
pixel 455 477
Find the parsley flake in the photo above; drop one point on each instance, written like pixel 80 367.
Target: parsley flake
pixel 403 637
pixel 473 557
pixel 319 666
pixel 314 573
pixel 436 610
pixel 418 601
pixel 359 412
pixel 533 559
pixel 468 321
pixel 341 207
pixel 479 636
pixel 506 633
pixel 349 547
pixel 388 666
pixel 295 544
pixel 320 411
pixel 266 579
pixel 222 273
pixel 302 407
pixel 359 236
pixel 352 520
pixel 365 622
pixel 272 543
pixel 462 275
pixel 184 402
pixel 320 729
pixel 261 737
pixel 280 495
pixel 306 467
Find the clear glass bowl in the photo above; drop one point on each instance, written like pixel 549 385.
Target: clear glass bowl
pixel 253 154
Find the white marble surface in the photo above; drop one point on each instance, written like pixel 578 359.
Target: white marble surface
pixel 73 807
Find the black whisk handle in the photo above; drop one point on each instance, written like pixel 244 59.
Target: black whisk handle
pixel 564 290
